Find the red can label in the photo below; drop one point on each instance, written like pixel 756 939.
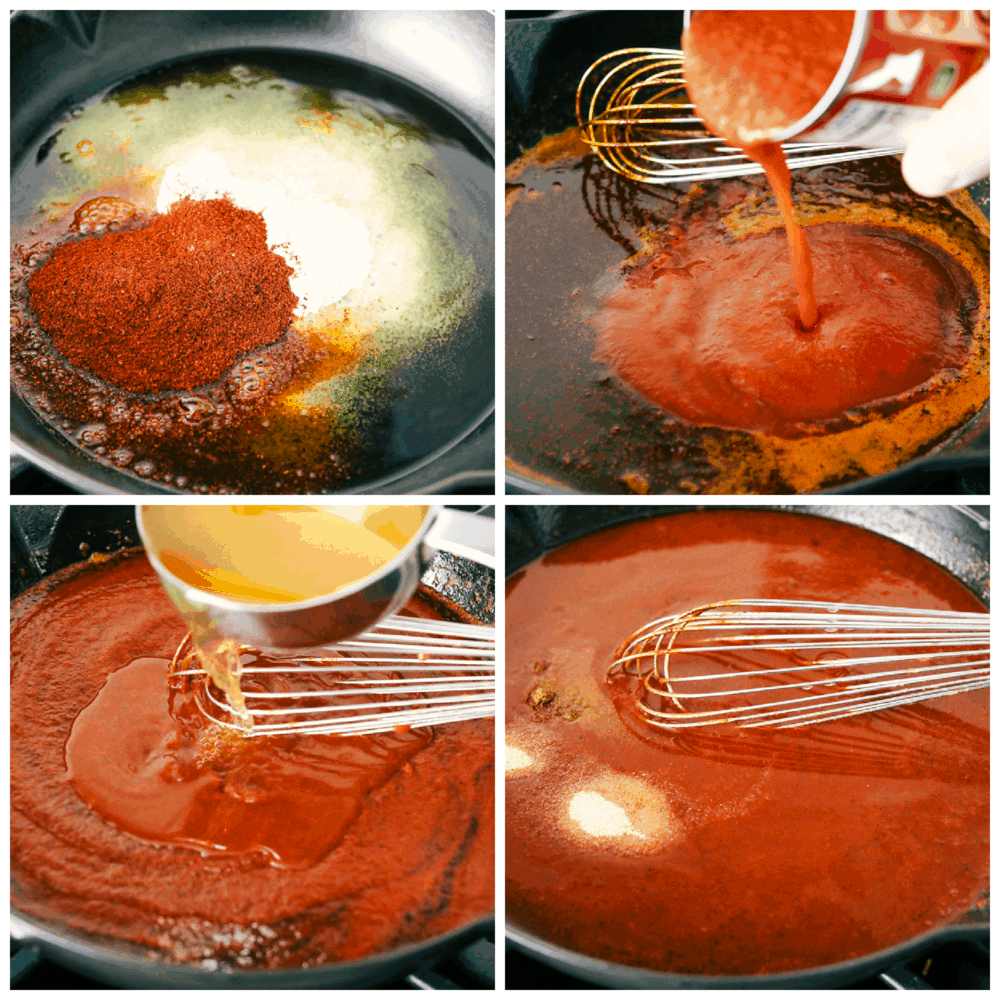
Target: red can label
pixel 907 65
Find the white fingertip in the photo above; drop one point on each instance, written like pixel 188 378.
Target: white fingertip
pixel 952 149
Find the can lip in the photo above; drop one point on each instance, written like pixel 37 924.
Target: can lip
pixel 855 47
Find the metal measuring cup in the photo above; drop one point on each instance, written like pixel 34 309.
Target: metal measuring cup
pixel 347 611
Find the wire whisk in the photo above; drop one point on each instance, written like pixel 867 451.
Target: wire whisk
pixel 633 110
pixel 796 663
pixel 405 672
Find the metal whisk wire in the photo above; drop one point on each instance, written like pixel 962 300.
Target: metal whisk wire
pixel 632 109
pixel 946 652
pixel 415 671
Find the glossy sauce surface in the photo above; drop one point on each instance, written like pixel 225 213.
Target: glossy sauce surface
pixel 133 822
pixel 722 851
pixel 151 766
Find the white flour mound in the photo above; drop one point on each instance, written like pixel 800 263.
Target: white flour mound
pixel 327 247
pixel 515 759
pixel 621 812
pixel 600 817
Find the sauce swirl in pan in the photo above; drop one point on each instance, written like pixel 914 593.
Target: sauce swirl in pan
pixel 133 820
pixel 722 851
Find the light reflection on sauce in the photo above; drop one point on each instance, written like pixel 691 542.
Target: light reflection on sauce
pixel 622 812
pixel 515 759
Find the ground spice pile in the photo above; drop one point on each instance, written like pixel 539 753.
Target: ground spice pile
pixel 168 306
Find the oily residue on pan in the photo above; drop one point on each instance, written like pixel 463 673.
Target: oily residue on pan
pixel 573 227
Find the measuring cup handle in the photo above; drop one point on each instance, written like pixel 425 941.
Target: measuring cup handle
pixel 464 534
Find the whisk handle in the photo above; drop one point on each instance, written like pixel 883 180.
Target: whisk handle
pixel 464 534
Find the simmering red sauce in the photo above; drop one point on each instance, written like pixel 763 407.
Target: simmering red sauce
pixel 134 818
pixel 708 330
pixel 728 851
pixel 150 765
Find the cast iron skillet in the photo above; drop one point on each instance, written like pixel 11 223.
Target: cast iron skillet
pixel 438 433
pixel 45 539
pixel 956 538
pixel 545 56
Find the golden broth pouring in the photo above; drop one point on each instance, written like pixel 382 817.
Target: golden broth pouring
pixel 278 554
pixel 267 554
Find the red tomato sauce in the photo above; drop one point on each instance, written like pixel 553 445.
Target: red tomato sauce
pixel 752 74
pixel 725 851
pixel 707 329
pixel 133 818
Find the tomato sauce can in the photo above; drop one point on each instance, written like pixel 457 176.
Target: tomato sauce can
pixel 899 68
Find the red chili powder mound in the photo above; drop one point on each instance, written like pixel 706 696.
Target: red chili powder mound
pixel 168 306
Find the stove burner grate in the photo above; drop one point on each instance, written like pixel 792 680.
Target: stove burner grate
pixel 471 969
pixel 958 965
